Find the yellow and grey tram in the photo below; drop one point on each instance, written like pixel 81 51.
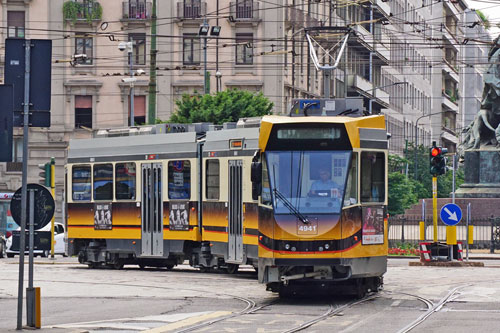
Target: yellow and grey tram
pixel 302 199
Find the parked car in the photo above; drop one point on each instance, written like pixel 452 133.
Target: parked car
pixel 59 241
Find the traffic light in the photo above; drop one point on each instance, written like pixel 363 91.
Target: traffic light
pixel 437 160
pixel 45 174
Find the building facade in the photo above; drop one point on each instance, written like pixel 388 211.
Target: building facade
pixel 402 59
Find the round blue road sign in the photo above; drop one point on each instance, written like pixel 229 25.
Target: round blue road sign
pixel 451 214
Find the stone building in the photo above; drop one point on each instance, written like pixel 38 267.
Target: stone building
pixel 394 61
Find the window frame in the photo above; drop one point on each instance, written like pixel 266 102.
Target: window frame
pixel 79 124
pixel 90 57
pixel 215 188
pixel 94 184
pixel 190 178
pixel 193 40
pixel 137 37
pixel 246 38
pixel 115 182
pixel 16 28
pixel 73 182
pixel 382 190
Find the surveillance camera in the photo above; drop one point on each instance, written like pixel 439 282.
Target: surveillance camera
pixel 80 56
pixel 129 80
pixel 122 46
pixel 140 72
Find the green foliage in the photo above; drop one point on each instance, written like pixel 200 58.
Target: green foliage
pixel 401 195
pixel 406 191
pixel 75 10
pixel 71 10
pixel 225 106
pixel 484 18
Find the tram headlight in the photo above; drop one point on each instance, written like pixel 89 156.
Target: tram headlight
pixel 294 249
pixel 327 246
pixel 320 248
pixel 287 246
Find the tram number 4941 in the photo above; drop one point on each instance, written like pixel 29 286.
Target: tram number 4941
pixel 307 229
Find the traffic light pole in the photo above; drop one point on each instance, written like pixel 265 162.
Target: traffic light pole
pixel 53 191
pixel 434 209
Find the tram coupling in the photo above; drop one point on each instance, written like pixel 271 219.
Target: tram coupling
pixel 322 274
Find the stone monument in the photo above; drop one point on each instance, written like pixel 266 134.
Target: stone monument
pixel 482 137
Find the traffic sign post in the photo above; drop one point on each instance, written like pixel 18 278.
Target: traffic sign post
pixel 451 214
pixel 41 210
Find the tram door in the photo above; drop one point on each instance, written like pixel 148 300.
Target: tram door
pixel 235 241
pixel 152 210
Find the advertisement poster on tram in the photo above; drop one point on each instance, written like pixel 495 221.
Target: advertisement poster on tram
pixel 373 226
pixel 179 215
pixel 102 216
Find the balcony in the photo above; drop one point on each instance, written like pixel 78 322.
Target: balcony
pixel 192 10
pixel 449 101
pixel 84 12
pixel 244 11
pixel 136 10
pixel 383 6
pixel 294 17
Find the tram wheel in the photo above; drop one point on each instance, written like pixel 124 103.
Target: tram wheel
pixel 92 265
pixel 169 267
pixel 142 266
pixel 232 268
pixel 360 288
pixel 118 265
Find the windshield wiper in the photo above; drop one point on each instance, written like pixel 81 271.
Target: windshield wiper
pixel 290 207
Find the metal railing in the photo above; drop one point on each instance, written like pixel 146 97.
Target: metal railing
pixel 191 9
pixel 244 10
pixel 137 10
pixel 486 234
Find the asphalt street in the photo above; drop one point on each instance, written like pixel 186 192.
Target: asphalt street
pixel 78 299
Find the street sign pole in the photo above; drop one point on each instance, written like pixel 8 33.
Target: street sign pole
pixel 24 191
pixel 434 208
pixel 30 292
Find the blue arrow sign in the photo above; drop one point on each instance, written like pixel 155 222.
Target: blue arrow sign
pixel 451 214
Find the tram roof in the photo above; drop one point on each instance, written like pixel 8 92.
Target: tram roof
pixel 359 129
pixel 132 145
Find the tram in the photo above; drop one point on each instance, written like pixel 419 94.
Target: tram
pixel 302 199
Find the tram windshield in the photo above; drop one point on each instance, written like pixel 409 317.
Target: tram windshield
pixel 305 182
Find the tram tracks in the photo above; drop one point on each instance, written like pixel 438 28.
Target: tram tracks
pixel 432 308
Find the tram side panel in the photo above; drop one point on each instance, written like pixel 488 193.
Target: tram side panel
pixel 229 213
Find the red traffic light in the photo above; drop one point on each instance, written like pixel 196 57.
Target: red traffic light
pixel 435 151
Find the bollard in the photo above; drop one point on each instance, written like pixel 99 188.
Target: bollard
pixel 471 235
pixel 451 235
pixel 422 230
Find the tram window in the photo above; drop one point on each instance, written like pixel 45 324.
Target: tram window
pixel 179 180
pixel 103 182
pixel 372 177
pixel 265 198
pixel 81 182
pixel 351 191
pixel 125 181
pixel 212 179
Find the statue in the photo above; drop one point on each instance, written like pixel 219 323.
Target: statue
pixel 485 129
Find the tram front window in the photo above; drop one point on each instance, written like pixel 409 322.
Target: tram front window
pixel 312 182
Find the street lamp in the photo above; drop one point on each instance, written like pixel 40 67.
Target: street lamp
pixel 218 76
pixel 129 46
pixel 203 33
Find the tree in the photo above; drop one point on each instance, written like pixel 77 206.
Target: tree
pixel 226 106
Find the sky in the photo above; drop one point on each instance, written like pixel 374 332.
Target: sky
pixel 490 8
